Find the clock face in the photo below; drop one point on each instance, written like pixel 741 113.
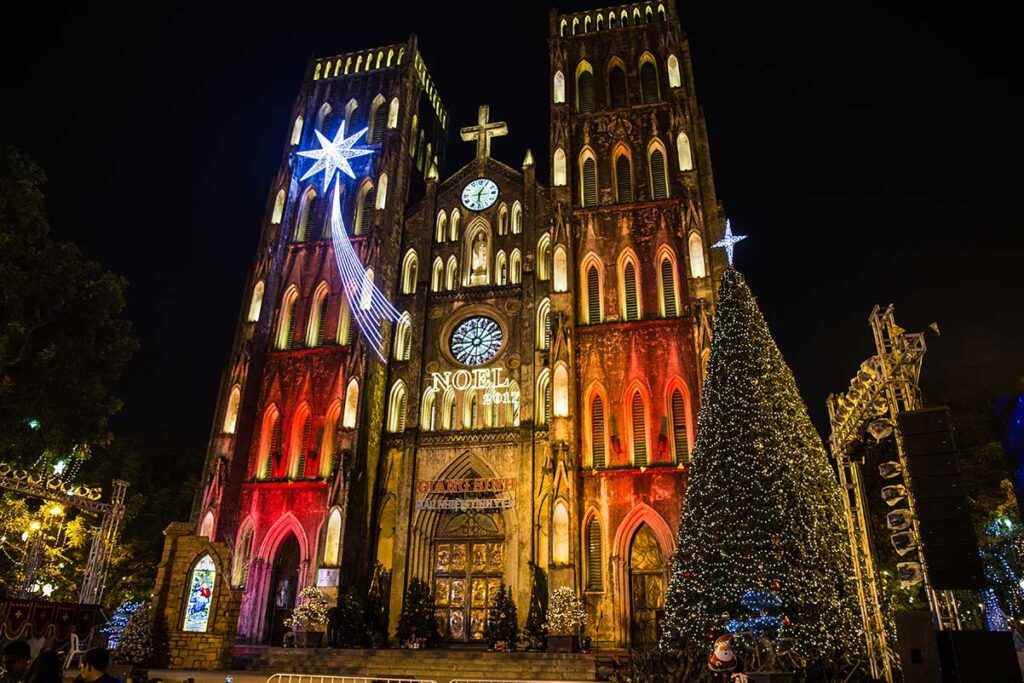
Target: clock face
pixel 476 340
pixel 479 194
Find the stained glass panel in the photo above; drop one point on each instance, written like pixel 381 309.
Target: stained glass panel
pixel 476 340
pixel 200 595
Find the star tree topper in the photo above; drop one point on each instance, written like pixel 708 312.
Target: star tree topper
pixel 333 155
pixel 728 241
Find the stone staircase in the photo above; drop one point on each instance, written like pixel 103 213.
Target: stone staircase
pixel 441 665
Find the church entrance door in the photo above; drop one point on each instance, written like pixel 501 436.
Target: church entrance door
pixel 283 579
pixel 469 566
pixel 646 588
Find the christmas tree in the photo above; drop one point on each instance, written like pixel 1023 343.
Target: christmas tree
pixel 118 620
pixel 136 643
pixel 762 540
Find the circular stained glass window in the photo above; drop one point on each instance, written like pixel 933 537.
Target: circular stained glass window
pixel 475 340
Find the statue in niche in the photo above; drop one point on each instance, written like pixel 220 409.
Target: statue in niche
pixel 282 594
pixel 478 261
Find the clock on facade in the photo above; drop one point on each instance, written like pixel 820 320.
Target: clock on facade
pixel 479 194
pixel 475 340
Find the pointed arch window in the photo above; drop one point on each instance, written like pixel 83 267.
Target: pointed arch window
pixel 649 93
pixel 453 234
pixel 396 408
pixel 306 209
pixel 441 228
pixel 544 324
pixel 472 412
pixel 332 539
pixel 674 81
pixel 286 325
pixel 270 443
pixel 364 204
pixel 594 561
pixel 344 322
pixel 410 265
pixel 329 440
pixel 231 413
pixel 594 298
pixel 437 275
pixel 659 178
pixel 559 88
pixel 683 150
pixel 322 118
pixel 240 559
pixel 617 94
pixel 631 295
pixel 366 292
pixel 559 168
pixel 516 267
pixel 561 270
pixel 202 583
pixel 639 430
pixel 560 391
pixel 449 407
pixel 316 329
pixel 623 178
pixel 403 337
pixel 588 179
pixel 585 100
pixel 351 109
pixel 696 248
pixel 348 419
pixel 382 191
pixel 501 269
pixel 428 419
pixel 543 398
pixel 256 302
pixel 452 276
pixel 302 427
pixel 669 300
pixel 680 438
pixel 544 257
pixel 393 113
pixel 597 433
pixel 560 534
pixel 278 212
pixel 517 217
pixel 378 119
pixel 297 130
pixel 503 220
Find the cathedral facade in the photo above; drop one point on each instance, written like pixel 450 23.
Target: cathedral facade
pixel 534 412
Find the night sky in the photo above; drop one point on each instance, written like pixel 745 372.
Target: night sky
pixel 872 155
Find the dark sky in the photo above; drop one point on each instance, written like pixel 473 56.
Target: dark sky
pixel 871 154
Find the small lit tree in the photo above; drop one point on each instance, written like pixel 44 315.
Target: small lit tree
pixel 417 624
pixel 135 645
pixel 311 615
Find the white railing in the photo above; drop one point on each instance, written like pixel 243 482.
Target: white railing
pixel 509 680
pixel 317 678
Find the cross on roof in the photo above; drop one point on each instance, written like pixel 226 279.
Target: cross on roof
pixel 483 131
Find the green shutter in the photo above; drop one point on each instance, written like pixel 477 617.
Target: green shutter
pixel 589 183
pixel 632 303
pixel 307 426
pixel 649 83
pixel 597 433
pixel 380 117
pixel 623 179
pixel 617 96
pixel 594 560
pixel 659 189
pixel 593 296
pixel 275 447
pixel 639 432
pixel 289 341
pixel 585 100
pixel 679 436
pixel 668 288
pixel 321 326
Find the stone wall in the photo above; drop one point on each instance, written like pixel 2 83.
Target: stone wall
pixel 186 650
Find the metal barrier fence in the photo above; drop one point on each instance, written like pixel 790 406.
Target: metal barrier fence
pixel 507 680
pixel 317 678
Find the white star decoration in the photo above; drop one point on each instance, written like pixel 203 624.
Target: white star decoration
pixel 58 468
pixel 728 241
pixel 333 155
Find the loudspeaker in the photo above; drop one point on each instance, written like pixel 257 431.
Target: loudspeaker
pixel 919 651
pixel 947 534
pixel 927 656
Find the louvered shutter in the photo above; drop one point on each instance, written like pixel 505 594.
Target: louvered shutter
pixel 451 415
pixel 593 296
pixel 289 342
pixel 623 179
pixel 380 116
pixel 321 325
pixel 597 433
pixel 594 560
pixel 547 403
pixel 679 437
pixel 585 92
pixel 632 304
pixel 275 447
pixel 649 83
pixel 400 422
pixel 307 426
pixel 407 343
pixel 617 87
pixel 639 432
pixel 547 330
pixel 364 213
pixel 659 189
pixel 589 183
pixel 668 288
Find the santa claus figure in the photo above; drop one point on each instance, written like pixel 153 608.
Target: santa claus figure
pixel 722 659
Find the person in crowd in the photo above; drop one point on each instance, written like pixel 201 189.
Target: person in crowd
pixel 14 661
pixel 45 668
pixel 93 667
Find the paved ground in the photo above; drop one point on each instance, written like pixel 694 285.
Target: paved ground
pixel 182 675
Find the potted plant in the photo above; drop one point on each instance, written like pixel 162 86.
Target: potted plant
pixel 565 618
pixel 309 620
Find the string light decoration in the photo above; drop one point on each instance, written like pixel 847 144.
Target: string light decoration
pixel 762 513
pixel 366 303
pixel 728 241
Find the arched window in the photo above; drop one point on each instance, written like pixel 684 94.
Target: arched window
pixel 594 560
pixel 588 178
pixel 517 217
pixel 649 92
pixel 201 587
pixel 302 429
pixel 594 298
pixel 316 328
pixel 638 429
pixel 428 418
pixel 270 443
pixel 351 109
pixel 366 292
pixel 382 191
pixel 471 413
pixel 544 324
pixel 669 299
pixel 441 227
pixel 378 119
pixel 617 93
pixel 649 14
pixel 231 413
pixel 278 212
pixel 410 265
pixel 516 267
pixel 396 408
pixel 560 391
pixel 630 291
pixel 598 438
pixel 393 113
pixel 332 539
pixel 559 89
pixel 503 219
pixel 697 266
pixel 543 398
pixel 403 337
pixel 683 150
pixel 364 206
pixel 586 24
pixel 559 165
pixel 600 21
pixel 453 233
pixel 437 276
pixel 286 324
pixel 348 419
pixel 613 21
pixel 625 18
pixel 636 17
pixel 412 135
pixel 562 27
pixel 501 269
pixel 297 130
pixel 329 439
pixel 240 559
pixel 322 118
pixel 544 257
pixel 561 270
pixel 656 164
pixel 306 207
pixel 452 276
pixel 560 534
pixel 256 302
pixel 585 100
pixel 449 408
pixel 680 438
pixel 623 177
pixel 661 12
pixel 344 322
pixel 206 529
pixel 674 81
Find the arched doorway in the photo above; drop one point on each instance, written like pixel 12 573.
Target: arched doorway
pixel 284 576
pixel 468 567
pixel 646 588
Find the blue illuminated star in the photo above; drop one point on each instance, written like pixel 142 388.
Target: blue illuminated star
pixel 333 155
pixel 728 241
